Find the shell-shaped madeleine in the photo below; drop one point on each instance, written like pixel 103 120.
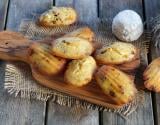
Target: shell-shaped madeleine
pixel 58 16
pixel 129 66
pixel 84 32
pixel 41 58
pixel 80 72
pixel 115 84
pixel 72 47
pixel 152 76
pixel 116 53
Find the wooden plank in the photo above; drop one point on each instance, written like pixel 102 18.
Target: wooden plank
pixel 87 10
pixel 3 12
pixel 152 9
pixel 25 9
pixel 60 115
pixel 17 111
pixel 143 114
pixel 110 8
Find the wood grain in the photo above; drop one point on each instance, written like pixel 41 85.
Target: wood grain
pixel 25 9
pixel 109 8
pixel 152 9
pixel 87 10
pixel 14 46
pixel 59 115
pixel 17 111
pixel 10 106
pixel 144 115
pixel 91 92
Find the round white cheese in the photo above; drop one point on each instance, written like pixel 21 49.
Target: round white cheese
pixel 127 26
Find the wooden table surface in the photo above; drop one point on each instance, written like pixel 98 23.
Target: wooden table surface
pixel 16 111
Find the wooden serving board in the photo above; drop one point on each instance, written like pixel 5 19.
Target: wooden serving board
pixel 14 47
pixel 91 92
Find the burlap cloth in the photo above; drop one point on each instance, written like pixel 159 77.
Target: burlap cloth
pixel 19 81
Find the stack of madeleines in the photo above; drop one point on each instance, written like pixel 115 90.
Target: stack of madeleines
pixel 76 57
pixel 74 54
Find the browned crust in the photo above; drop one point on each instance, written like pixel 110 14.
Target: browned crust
pixel 59 70
pixel 76 57
pixel 102 70
pixel 150 86
pixel 46 24
pixel 117 63
pixel 154 62
pixel 130 66
pixel 49 74
pixel 45 81
pixel 86 30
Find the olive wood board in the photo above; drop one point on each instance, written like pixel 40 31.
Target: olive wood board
pixel 14 47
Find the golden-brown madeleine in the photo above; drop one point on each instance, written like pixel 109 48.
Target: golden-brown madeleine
pixel 41 58
pixel 72 47
pixel 129 66
pixel 84 32
pixel 132 65
pixel 80 72
pixel 116 84
pixel 58 16
pixel 152 76
pixel 116 53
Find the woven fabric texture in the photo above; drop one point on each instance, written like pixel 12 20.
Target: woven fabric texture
pixel 19 80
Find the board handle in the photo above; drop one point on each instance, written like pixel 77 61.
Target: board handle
pixel 13 46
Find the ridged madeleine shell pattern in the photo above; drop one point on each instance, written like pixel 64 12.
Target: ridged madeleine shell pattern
pixel 42 59
pixel 152 76
pixel 116 84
